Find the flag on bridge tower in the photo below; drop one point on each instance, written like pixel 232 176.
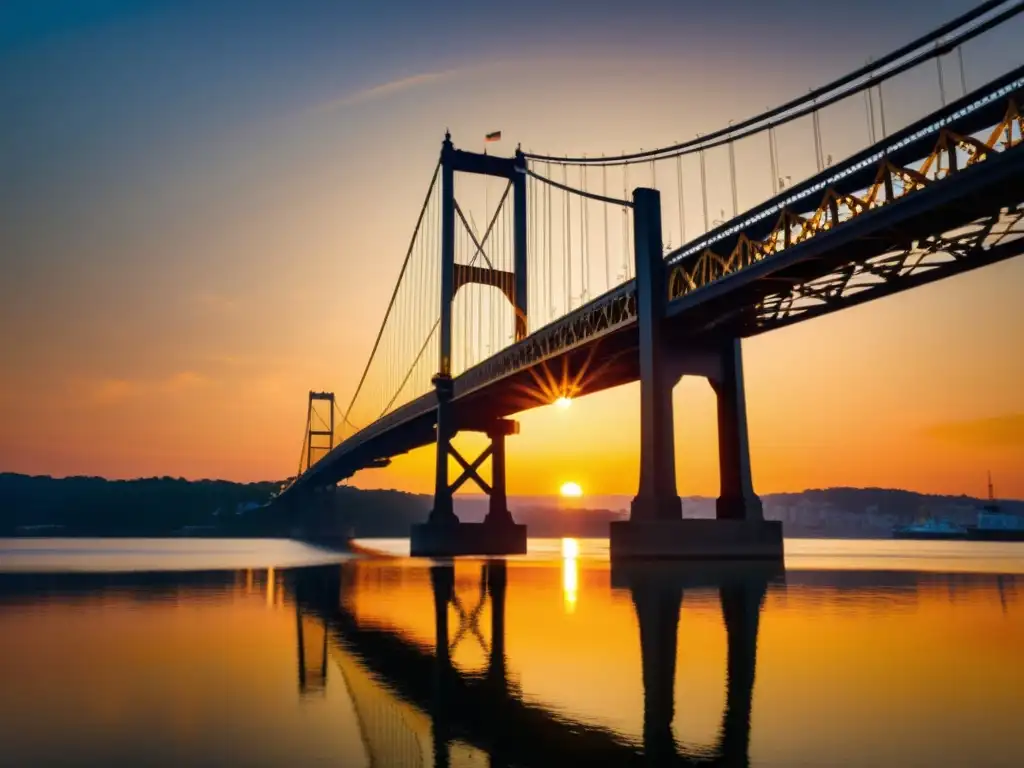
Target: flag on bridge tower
pixel 494 136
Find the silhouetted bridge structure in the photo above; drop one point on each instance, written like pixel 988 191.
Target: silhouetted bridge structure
pixel 940 196
pixel 420 702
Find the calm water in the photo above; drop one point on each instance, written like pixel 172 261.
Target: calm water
pixel 263 653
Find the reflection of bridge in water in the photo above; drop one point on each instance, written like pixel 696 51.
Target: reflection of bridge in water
pixel 416 707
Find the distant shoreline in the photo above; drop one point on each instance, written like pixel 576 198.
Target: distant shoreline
pixel 77 507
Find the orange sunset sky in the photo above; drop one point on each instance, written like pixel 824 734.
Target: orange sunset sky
pixel 204 208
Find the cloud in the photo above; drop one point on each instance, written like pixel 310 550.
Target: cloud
pixel 387 89
pixel 115 391
pixel 996 431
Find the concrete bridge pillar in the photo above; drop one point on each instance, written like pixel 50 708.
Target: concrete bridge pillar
pixel 656 498
pixel 736 500
pixel 444 535
pixel 656 527
pixel 442 513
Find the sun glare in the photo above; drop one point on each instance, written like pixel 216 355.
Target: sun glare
pixel 571 490
pixel 563 402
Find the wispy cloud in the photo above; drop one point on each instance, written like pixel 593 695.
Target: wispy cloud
pixel 387 89
pixel 115 391
pixel 996 431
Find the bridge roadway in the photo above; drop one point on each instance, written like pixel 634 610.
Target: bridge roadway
pixel 485 711
pixel 596 346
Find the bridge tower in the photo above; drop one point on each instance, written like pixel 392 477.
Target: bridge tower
pixel 443 534
pixel 315 437
pixel 656 527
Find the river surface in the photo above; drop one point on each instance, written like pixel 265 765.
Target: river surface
pixel 274 653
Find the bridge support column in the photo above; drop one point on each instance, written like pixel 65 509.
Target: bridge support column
pixel 656 528
pixel 737 500
pixel 519 235
pixel 656 498
pixel 443 535
pixel 442 513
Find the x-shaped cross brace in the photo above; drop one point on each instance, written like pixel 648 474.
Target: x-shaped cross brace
pixel 470 470
pixel 470 622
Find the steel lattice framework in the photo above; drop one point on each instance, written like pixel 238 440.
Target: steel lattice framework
pixel 952 153
pixel 980 242
pixel 601 317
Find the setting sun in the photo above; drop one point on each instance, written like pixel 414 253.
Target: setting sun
pixel 563 402
pixel 571 490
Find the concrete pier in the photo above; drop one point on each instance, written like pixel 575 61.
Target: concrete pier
pixel 657 528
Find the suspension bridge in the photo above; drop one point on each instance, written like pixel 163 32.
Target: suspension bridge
pixel 570 287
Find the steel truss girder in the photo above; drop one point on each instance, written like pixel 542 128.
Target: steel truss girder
pixel 901 265
pixel 894 178
pixel 599 318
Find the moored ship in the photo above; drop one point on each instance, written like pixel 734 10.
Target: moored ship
pixel 930 529
pixel 994 524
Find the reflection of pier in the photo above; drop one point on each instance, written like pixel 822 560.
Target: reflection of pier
pixel 407 694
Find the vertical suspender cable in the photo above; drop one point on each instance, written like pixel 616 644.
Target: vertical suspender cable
pixel 567 262
pixel 627 241
pixel 531 278
pixel 584 238
pixel 732 179
pixel 963 77
pixel 869 115
pixel 549 310
pixel 817 140
pixel 942 83
pixel 704 190
pixel 881 110
pixel 682 205
pixel 604 211
pixel 774 161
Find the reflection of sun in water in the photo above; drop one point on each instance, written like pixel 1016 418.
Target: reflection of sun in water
pixel 571 490
pixel 570 573
pixel 563 402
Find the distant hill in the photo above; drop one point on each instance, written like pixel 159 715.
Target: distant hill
pixel 166 506
pixel 93 506
pixel 827 512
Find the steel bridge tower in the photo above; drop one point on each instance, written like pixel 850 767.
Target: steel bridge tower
pixel 443 533
pixel 315 437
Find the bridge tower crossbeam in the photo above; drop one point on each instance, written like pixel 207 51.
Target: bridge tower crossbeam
pixel 444 534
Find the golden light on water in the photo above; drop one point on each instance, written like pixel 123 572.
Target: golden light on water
pixel 570 548
pixel 571 490
pixel 570 573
